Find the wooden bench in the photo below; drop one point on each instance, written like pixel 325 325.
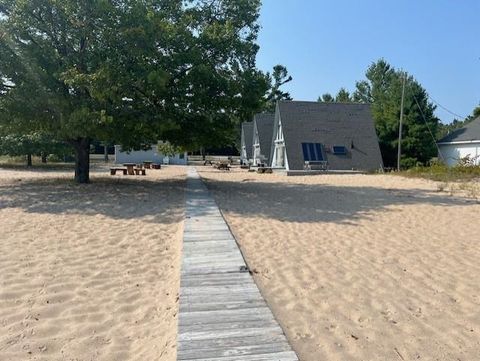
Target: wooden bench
pixel 113 170
pixel 139 171
pixel 156 166
pixel 316 165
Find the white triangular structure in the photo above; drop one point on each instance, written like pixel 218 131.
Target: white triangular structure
pixel 279 158
pixel 257 155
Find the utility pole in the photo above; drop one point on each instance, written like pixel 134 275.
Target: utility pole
pixel 400 125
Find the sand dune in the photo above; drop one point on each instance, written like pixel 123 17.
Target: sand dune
pixel 89 272
pixel 360 267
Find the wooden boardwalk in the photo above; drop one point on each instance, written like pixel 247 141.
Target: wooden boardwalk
pixel 223 316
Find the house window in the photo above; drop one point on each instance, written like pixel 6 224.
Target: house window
pixel 339 150
pixel 312 152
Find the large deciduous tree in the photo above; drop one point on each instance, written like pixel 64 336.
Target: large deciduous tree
pixel 129 71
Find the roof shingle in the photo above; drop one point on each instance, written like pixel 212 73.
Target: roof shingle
pixel 331 124
pixel 468 133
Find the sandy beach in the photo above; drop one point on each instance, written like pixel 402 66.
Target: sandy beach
pixel 360 267
pixel 89 272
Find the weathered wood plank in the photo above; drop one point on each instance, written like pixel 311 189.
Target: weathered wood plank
pixel 228 305
pixel 209 260
pixel 236 297
pixel 222 343
pixel 188 354
pixel 277 356
pixel 205 269
pixel 244 324
pixel 223 316
pixel 208 236
pixel 218 290
pixel 215 279
pixel 218 334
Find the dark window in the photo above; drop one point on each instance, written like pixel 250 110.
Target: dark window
pixel 306 156
pixel 312 152
pixel 339 150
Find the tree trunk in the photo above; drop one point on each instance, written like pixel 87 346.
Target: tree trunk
pixel 29 160
pixel 44 157
pixel 82 159
pixel 105 153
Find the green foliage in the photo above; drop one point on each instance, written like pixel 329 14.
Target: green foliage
pixel 382 89
pixel 445 129
pixel 130 72
pixel 326 98
pixel 168 149
pixel 443 173
pixel 343 96
pixel 37 144
pixel 278 78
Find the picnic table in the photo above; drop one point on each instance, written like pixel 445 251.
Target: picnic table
pixel 130 167
pixel 147 163
pixel 113 170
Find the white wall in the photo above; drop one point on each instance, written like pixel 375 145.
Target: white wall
pixel 452 152
pixel 138 156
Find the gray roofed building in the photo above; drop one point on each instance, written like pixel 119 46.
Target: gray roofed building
pixel 262 137
pixel 461 143
pixel 246 141
pixel 335 136
pixel 468 133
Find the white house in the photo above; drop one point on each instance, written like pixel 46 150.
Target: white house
pixel 461 143
pixel 153 155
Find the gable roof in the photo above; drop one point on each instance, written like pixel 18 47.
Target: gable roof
pixel 468 133
pixel 264 126
pixel 331 124
pixel 247 137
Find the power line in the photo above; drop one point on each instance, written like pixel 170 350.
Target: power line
pixel 446 109
pixel 428 127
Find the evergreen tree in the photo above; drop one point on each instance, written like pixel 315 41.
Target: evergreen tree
pixel 382 89
pixel 326 98
pixel 278 78
pixel 343 96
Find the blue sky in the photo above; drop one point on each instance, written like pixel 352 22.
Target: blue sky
pixel 329 44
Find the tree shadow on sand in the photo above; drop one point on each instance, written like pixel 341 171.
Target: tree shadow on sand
pixel 154 201
pixel 318 203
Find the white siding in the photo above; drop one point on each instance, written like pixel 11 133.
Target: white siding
pixel 451 153
pixel 138 156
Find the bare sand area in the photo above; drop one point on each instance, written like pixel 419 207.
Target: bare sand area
pixel 90 272
pixel 360 267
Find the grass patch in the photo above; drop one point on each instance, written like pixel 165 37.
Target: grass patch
pixel 7 162
pixel 442 173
